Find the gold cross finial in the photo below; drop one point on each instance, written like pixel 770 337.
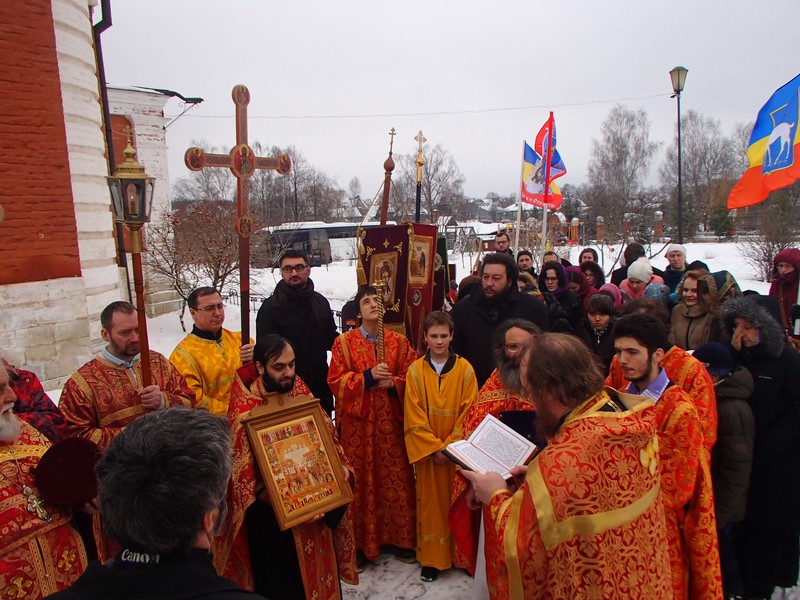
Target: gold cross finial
pixel 391 141
pixel 421 139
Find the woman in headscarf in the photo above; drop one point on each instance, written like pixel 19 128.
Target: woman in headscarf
pixel 577 282
pixel 694 319
pixel 784 286
pixel 564 307
pixel 594 273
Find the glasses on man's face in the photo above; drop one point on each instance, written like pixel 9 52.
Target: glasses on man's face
pixel 288 269
pixel 514 348
pixel 212 308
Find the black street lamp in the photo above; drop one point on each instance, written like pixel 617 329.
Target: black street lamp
pixel 131 200
pixel 678 76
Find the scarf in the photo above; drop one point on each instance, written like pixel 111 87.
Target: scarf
pixel 285 297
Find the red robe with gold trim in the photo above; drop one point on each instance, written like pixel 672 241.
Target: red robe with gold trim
pixel 317 554
pixel 101 398
pixel 588 521
pixel 37 558
pixel 464 522
pixel 688 498
pixel 689 375
pixel 370 424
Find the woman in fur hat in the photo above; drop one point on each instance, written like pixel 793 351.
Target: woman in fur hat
pixel 770 547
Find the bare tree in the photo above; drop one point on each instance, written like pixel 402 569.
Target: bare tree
pixel 618 166
pixel 169 260
pixel 740 140
pixel 206 184
pixel 777 230
pixel 707 157
pixel 442 182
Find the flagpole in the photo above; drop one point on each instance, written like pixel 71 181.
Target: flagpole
pixel 519 204
pixel 548 155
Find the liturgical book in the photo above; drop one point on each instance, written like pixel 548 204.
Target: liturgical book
pixel 493 446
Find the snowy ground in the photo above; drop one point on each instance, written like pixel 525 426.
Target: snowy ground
pixel 388 578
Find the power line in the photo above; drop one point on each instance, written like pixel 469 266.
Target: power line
pixel 428 114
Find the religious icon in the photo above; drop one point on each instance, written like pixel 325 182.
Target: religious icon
pixel 241 95
pixel 419 262
pixel 195 159
pixel 384 269
pixel 297 460
pixel 243 161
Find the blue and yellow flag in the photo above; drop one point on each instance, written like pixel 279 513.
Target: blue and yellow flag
pixel 774 149
pixel 533 181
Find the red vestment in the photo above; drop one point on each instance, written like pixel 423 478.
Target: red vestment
pixel 588 521
pixel 464 522
pixel 316 552
pixel 101 398
pixel 37 558
pixel 370 424
pixel 691 376
pixel 688 498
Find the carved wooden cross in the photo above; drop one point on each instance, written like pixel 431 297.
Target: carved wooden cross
pixel 243 163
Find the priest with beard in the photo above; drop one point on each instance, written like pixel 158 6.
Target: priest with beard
pixel 307 560
pixel 478 315
pixel 502 395
pixel 40 552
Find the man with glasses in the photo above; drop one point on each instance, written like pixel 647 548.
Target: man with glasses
pixel 209 356
pixel 303 316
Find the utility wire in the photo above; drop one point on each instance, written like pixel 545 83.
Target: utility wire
pixel 432 113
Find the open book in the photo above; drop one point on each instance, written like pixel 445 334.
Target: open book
pixel 493 446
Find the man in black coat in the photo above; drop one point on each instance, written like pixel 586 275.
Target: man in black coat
pixel 301 315
pixel 161 486
pixel 478 315
pixel 769 551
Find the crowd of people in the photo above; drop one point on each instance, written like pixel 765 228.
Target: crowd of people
pixel 665 405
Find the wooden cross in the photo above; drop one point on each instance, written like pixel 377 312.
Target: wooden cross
pixel 242 162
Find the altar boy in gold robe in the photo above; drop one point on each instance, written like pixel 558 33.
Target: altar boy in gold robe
pixel 440 387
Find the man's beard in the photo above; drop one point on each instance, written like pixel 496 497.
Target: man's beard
pixel 10 427
pixel 546 424
pixel 493 301
pixel 508 372
pixel 276 386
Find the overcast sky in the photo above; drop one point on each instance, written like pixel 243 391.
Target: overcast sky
pixel 333 77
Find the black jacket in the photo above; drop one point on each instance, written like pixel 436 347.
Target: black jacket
pixel 311 341
pixel 188 578
pixel 732 455
pixel 775 402
pixel 475 322
pixel 601 345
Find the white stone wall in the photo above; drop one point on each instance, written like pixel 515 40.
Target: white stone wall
pixel 88 165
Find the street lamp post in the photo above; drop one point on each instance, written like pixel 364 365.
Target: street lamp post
pixel 678 76
pixel 131 200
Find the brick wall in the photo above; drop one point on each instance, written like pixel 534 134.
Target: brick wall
pixel 38 236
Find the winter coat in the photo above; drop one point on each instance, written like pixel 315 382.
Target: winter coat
pixel 784 289
pixel 601 343
pixel 692 326
pixel 672 278
pixel 564 307
pixel 625 286
pixel 732 455
pixel 775 402
pixel 476 320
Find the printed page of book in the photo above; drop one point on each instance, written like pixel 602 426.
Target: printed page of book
pixel 502 443
pixel 472 458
